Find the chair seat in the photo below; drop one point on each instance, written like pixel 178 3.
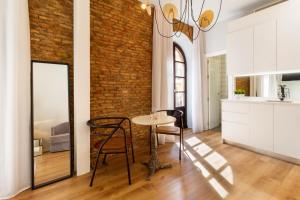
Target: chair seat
pixel 168 130
pixel 114 144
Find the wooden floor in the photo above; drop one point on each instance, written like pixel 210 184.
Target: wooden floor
pixel 50 166
pixel 209 170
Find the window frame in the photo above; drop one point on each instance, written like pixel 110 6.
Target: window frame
pixel 177 47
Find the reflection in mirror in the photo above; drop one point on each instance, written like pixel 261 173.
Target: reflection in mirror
pixel 51 124
pixel 270 86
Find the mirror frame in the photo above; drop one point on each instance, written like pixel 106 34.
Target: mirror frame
pixel 33 186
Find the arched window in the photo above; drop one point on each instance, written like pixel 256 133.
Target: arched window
pixel 180 85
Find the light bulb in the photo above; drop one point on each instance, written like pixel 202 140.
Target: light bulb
pixel 144 6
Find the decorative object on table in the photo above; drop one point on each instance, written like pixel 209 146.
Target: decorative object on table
pixel 115 139
pixel 239 93
pixel 283 92
pixel 37 147
pixel 154 164
pixel 60 137
pixel 176 130
pixel 203 22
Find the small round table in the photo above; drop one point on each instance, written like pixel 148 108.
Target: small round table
pixel 153 120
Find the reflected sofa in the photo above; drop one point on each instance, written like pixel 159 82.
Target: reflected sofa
pixel 60 137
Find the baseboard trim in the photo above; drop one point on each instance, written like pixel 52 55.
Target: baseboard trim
pixel 263 152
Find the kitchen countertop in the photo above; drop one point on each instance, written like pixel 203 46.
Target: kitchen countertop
pixel 261 100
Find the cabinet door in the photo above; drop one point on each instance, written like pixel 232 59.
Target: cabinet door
pixel 265 47
pixel 261 120
pixel 287 130
pixel 236 132
pixel 288 39
pixel 240 52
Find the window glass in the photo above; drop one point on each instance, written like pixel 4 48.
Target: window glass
pixel 180 99
pixel 179 69
pixel 178 56
pixel 180 84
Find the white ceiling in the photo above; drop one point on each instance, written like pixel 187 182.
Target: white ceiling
pixel 230 8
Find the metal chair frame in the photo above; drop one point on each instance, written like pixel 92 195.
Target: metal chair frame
pixel 181 141
pixel 94 124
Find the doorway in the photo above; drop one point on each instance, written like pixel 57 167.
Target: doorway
pixel 217 89
pixel 180 81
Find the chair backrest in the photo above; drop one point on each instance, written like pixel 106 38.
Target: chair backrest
pixel 61 129
pixel 178 114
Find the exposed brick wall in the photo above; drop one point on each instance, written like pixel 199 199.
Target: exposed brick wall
pixel 243 83
pixel 184 28
pixel 51 32
pixel 121 56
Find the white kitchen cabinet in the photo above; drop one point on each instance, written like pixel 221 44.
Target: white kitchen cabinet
pixel 236 132
pixel 261 120
pixel 265 47
pixel 235 122
pixel 288 41
pixel 286 130
pixel 240 52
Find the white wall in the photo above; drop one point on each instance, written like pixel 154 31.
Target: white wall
pixel 82 85
pixel 215 40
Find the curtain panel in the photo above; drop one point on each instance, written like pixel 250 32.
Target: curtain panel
pixel 14 98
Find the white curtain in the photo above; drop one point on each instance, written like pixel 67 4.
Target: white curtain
pixel 162 64
pixel 199 87
pixel 14 97
pixel 162 68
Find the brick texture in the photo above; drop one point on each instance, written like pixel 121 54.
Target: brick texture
pixel 183 28
pixel 121 56
pixel 243 83
pixel 51 32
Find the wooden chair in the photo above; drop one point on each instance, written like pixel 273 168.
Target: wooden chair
pixel 112 143
pixel 176 130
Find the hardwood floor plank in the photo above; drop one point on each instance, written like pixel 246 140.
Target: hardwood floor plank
pixel 209 170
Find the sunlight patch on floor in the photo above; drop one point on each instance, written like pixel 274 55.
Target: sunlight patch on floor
pixel 193 141
pixel 202 149
pixel 215 160
pixel 228 175
pixel 189 155
pixel 199 152
pixel 203 170
pixel 218 187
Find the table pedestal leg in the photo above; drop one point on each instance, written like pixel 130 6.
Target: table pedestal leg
pixel 154 164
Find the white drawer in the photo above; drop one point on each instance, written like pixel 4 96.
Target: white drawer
pixel 236 107
pixel 234 132
pixel 241 118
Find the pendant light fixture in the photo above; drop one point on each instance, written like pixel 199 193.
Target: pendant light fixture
pixel 205 21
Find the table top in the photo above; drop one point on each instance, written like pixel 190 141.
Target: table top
pixel 155 119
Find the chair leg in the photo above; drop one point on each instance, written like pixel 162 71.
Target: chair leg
pixel 95 168
pixel 157 139
pixel 150 130
pixel 104 160
pixel 132 153
pixel 127 163
pixel 180 141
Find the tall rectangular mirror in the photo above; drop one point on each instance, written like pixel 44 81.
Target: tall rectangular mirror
pixel 52 136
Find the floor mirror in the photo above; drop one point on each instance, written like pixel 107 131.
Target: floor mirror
pixel 51 129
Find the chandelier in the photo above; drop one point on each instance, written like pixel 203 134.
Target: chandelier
pixel 203 23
